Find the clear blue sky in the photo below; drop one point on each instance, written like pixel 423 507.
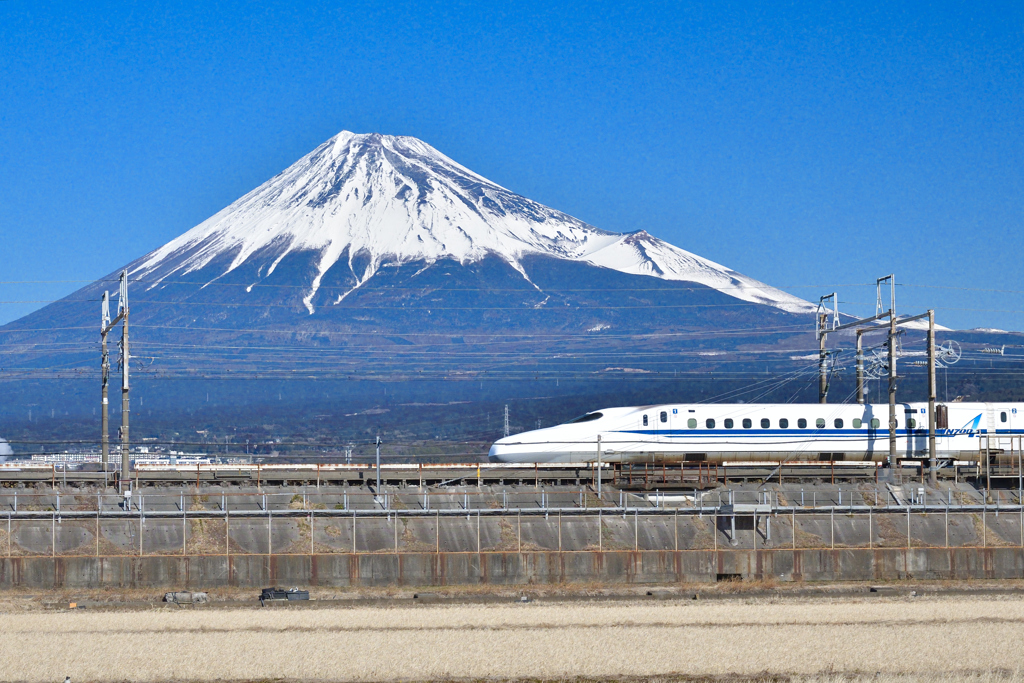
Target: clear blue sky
pixel 807 145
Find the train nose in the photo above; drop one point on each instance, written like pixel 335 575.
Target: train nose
pixel 498 449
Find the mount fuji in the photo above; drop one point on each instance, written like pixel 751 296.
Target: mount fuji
pixel 358 203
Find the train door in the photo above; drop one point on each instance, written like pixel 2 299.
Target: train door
pixel 871 424
pixel 916 422
pixel 941 424
pixel 997 421
pixel 663 422
pixel 1003 418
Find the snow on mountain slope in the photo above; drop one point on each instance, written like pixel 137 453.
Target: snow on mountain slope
pixel 397 199
pixel 641 254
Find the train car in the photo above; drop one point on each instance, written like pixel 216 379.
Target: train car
pixel 766 432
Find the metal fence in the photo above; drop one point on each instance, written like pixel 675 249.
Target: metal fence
pixel 469 521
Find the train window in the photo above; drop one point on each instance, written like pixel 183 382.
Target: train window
pixel 747 423
pixel 728 423
pixel 765 423
pixel 664 416
pixel 709 423
pixel 820 423
pixel 875 423
pixel 839 423
pixel 691 423
pixel 1002 416
pixel 912 424
pixel 589 417
pixel 645 420
pixel 801 423
pixel 857 423
pixel 783 423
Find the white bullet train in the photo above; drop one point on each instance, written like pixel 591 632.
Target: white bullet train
pixel 768 432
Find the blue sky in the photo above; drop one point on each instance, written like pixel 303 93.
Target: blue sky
pixel 810 145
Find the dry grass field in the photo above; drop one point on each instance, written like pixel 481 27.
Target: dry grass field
pixel 879 639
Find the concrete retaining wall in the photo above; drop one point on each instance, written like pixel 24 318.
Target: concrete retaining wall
pixel 504 533
pixel 506 550
pixel 509 568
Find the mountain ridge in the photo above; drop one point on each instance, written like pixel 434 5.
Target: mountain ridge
pixel 397 199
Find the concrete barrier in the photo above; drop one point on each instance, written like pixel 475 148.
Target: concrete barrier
pixel 506 549
pixel 197 572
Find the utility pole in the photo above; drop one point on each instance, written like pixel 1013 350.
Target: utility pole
pixel 106 325
pixel 892 389
pixel 105 371
pixel 378 467
pixel 822 362
pixel 892 358
pixel 598 465
pixel 506 419
pixel 822 332
pixel 860 368
pixel 122 312
pixel 932 460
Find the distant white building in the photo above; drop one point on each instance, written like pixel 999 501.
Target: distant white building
pixel 66 458
pixel 174 459
pixel 142 458
pixel 5 450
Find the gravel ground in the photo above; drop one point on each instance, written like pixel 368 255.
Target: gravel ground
pixel 749 637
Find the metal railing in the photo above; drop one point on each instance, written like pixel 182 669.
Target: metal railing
pixel 566 500
pixel 721 522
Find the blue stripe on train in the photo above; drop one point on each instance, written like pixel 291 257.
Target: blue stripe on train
pixel 861 433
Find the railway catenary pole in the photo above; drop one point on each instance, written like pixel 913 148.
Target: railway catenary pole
pixel 822 379
pixel 860 368
pixel 891 279
pixel 377 492
pixel 598 465
pixel 932 455
pixel 892 359
pixel 822 332
pixel 125 357
pixel 106 326
pixel 105 374
pixel 892 390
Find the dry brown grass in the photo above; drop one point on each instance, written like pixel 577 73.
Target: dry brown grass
pixel 805 539
pixel 901 639
pixel 704 534
pixel 411 543
pixel 985 534
pixel 206 537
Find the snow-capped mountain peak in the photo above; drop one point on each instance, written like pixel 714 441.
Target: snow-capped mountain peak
pixel 376 198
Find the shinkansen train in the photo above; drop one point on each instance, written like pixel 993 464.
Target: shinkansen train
pixel 772 432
